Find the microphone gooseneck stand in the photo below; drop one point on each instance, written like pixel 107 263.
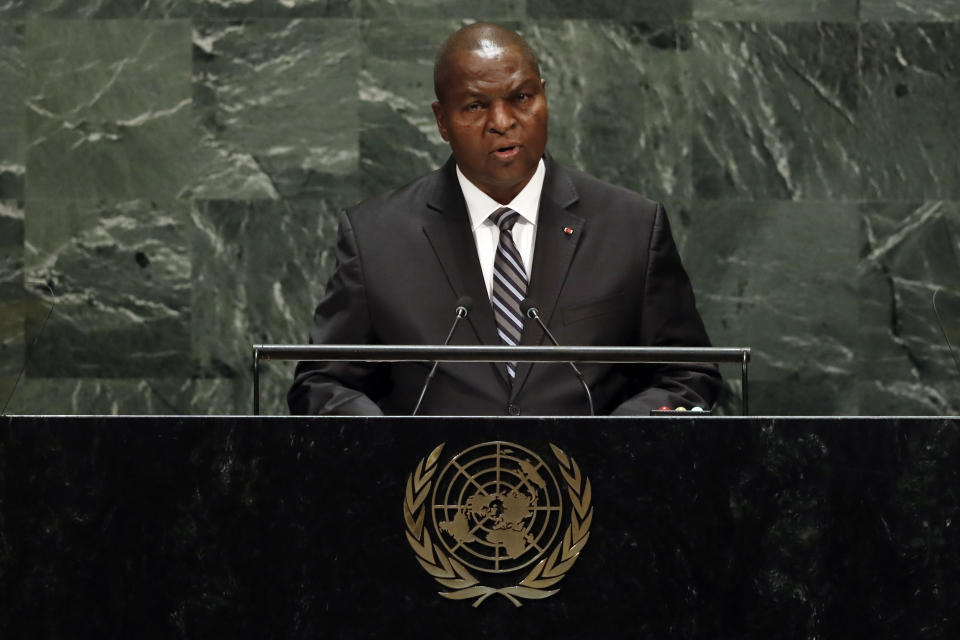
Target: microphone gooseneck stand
pixel 529 309
pixel 462 309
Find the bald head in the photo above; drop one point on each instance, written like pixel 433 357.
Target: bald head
pixel 483 38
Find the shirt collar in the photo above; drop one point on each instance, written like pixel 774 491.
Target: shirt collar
pixel 480 205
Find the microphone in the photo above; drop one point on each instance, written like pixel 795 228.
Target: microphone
pixel 943 330
pixel 463 307
pixel 529 308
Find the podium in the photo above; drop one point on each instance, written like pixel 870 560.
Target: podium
pixel 210 527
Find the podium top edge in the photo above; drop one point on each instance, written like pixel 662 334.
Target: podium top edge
pixel 488 353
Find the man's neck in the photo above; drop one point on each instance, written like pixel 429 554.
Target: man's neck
pixel 504 197
pixel 481 204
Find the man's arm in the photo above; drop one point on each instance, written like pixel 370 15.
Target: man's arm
pixel 669 318
pixel 341 317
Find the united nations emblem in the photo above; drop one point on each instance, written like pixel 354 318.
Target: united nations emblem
pixel 497 508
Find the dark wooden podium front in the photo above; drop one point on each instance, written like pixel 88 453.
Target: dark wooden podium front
pixel 216 527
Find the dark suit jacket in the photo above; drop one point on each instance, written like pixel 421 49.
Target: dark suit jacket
pixel 406 257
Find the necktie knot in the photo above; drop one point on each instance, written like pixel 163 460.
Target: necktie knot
pixel 505 218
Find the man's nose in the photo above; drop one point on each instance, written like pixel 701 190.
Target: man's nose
pixel 501 117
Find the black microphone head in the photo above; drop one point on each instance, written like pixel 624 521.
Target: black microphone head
pixel 528 307
pixel 463 306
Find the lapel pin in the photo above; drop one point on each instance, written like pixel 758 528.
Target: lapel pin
pixel 568 231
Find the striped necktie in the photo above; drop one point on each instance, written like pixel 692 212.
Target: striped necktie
pixel 509 283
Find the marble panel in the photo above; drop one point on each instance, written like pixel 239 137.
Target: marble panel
pixel 947 312
pixel 275 8
pixel 729 402
pixel 678 213
pixel 910 10
pixel 259 269
pixel 776 113
pixel 11 110
pixel 439 9
pixel 12 9
pixel 126 396
pixel 612 9
pixel 617 103
pixel 759 286
pixel 96 8
pixel 398 138
pixel 911 132
pixel 276 103
pixel 12 299
pixel 780 11
pixel 911 250
pixel 108 107
pixel 119 280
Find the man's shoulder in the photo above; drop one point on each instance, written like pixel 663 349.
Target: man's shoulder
pixel 594 194
pixel 405 199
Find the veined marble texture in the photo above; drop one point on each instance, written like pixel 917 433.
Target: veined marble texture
pixel 12 9
pixel 108 108
pixel 276 105
pixel 496 10
pixel 11 111
pixel 611 9
pixel 12 299
pixel 910 122
pixel 129 396
pixel 119 287
pixel 778 11
pixel 780 277
pixel 911 250
pixel 617 105
pixel 910 10
pixel 776 111
pixel 788 151
pixel 692 253
pixel 399 140
pixel 275 8
pixel 95 8
pixel 259 269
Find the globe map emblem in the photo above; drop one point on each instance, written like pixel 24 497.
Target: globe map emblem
pixel 496 507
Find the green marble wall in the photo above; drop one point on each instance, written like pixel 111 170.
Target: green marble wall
pixel 170 171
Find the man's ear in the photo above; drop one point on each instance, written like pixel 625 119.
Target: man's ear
pixel 441 122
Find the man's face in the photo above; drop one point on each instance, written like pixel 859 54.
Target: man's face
pixel 493 112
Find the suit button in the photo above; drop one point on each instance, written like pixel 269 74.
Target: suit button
pixel 513 409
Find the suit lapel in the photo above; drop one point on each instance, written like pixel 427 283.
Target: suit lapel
pixel 448 231
pixel 558 235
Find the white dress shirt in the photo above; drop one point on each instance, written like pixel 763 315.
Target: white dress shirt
pixel 487 234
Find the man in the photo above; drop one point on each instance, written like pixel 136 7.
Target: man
pixel 502 222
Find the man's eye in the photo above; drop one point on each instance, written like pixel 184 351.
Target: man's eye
pixel 523 97
pixel 473 106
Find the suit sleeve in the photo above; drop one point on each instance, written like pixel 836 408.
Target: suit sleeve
pixel 669 318
pixel 341 317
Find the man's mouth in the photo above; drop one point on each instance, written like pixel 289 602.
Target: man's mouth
pixel 506 153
